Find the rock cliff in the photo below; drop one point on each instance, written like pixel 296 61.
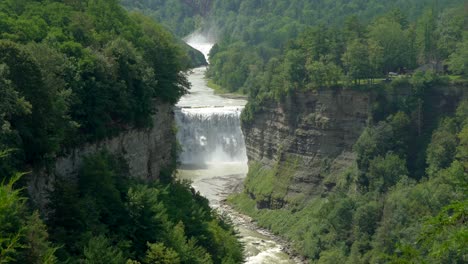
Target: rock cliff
pixel 147 152
pixel 305 138
pixel 301 147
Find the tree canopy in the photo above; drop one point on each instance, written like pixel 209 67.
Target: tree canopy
pixel 77 71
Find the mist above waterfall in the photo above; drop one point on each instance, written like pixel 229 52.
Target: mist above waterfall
pixel 200 42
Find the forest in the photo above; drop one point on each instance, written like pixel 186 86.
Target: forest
pixel 320 40
pixel 81 71
pixel 405 198
pixel 71 74
pixel 74 72
pixel 109 218
pixel 339 51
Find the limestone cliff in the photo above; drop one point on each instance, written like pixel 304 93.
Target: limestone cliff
pixel 146 151
pixel 309 135
pixel 301 147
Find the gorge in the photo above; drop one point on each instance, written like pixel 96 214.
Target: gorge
pixel 304 158
pixel 336 131
pixel 214 157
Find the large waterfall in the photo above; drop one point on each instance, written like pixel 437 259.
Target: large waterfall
pixel 214 157
pixel 210 135
pixel 208 125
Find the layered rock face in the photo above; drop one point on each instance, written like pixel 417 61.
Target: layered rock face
pixel 310 135
pixel 146 152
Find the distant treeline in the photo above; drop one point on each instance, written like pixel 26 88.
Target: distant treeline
pixel 274 53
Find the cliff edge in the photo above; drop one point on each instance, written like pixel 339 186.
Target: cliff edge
pixel 309 135
pixel 146 151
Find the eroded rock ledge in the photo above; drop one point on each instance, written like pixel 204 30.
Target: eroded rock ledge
pixel 146 151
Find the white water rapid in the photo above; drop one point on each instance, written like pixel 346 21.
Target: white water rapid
pixel 214 158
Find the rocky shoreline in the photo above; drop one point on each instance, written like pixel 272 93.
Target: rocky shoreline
pixel 239 219
pixel 246 221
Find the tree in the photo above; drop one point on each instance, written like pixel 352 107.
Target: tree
pixel 384 172
pixel 356 61
pixel 42 131
pixel 148 218
pixel 462 152
pixel 374 141
pixel 458 60
pixel 135 104
pixel 38 248
pixel 441 150
pixel 449 31
pixel 389 35
pixel 427 39
pixel 376 58
pixel 441 240
pixel 366 218
pixel 322 74
pixel 354 29
pixel 11 212
pixel 23 235
pixel 159 254
pixel 100 251
pixel 11 105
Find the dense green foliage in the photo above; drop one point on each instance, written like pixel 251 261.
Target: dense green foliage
pixel 107 218
pixel 354 55
pixel 405 198
pixel 180 16
pixel 23 235
pixel 278 46
pixel 403 201
pixel 76 71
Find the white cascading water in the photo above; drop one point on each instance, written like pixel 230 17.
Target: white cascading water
pixel 210 135
pixel 214 156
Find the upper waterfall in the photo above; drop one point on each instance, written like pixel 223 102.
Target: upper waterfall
pixel 200 42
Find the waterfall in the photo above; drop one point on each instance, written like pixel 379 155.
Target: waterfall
pixel 210 135
pixel 213 153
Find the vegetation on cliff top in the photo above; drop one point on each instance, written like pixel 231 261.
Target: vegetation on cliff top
pixel 310 44
pixel 78 71
pixel 269 49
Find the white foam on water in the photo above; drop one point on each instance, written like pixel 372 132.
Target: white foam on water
pixel 210 134
pixel 214 152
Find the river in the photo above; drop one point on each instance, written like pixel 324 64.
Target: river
pixel 214 157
